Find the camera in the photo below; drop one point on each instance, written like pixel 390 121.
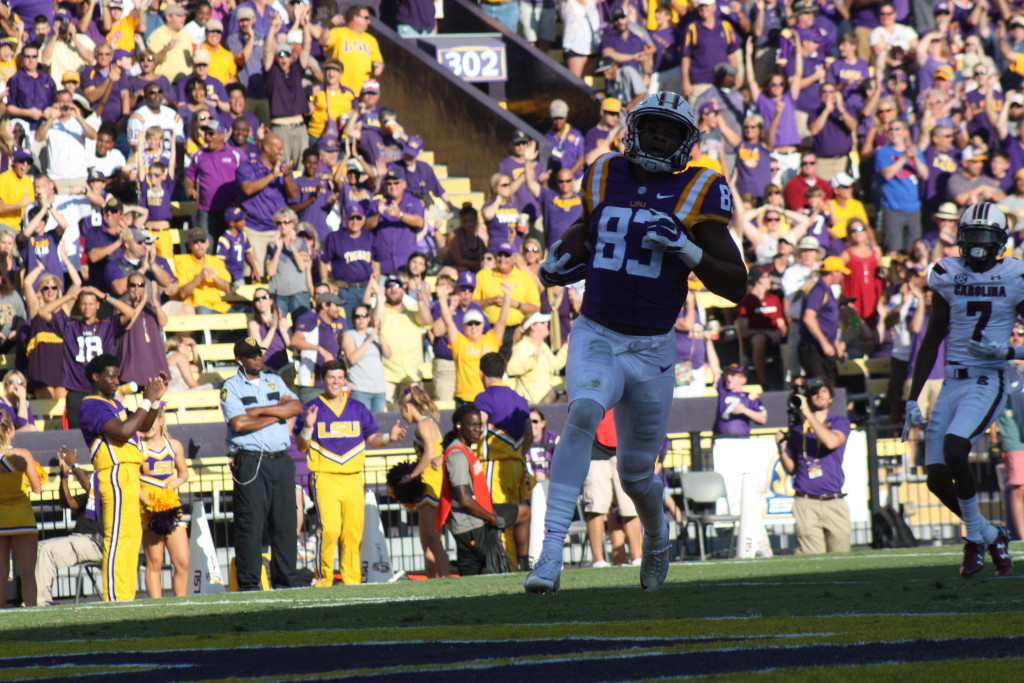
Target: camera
pixel 809 388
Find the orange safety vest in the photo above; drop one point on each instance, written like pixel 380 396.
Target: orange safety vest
pixel 481 493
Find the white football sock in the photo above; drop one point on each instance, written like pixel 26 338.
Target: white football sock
pixel 978 528
pixel 570 464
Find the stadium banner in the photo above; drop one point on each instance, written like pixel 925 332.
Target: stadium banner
pixel 202 561
pixel 734 457
pixel 373 552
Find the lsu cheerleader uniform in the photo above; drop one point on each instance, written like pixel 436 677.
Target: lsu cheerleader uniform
pixel 16 517
pixel 156 470
pixel 118 475
pixel 432 477
pixel 336 455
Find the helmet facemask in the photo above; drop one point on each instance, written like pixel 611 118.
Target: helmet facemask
pixel 672 118
pixel 980 245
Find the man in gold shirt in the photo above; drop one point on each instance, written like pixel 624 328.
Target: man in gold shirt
pixel 17 190
pixel 525 293
pixel 203 278
pixel 354 47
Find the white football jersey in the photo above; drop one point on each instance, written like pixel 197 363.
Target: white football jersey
pixel 982 306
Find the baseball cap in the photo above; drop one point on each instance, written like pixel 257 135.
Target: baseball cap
pixel 756 272
pixel 115 4
pixel 724 69
pixel 328 143
pixel 22 154
pixel 393 280
pixel 941 8
pixel 834 264
pixel 391 175
pixel 805 7
pixel 603 64
pixel 618 13
pixel 245 12
pixel 734 369
pixel 71 76
pixel 1019 174
pixel 944 71
pixel 972 153
pixel 533 320
pixel 558 109
pixel 248 348
pixel 201 57
pixel 175 11
pixel 96 175
pixel 214 25
pixel 708 107
pixel 234 214
pixel 948 211
pixel 328 298
pixel 898 75
pixel 610 104
pixel 809 243
pixel 334 64
pixel 121 54
pixel 842 179
pixel 355 211
pixel 504 248
pixel 1018 20
pixel 211 124
pixel 705 3
pixel 113 205
pixel 196 235
pixel 370 86
pixel 473 316
pixel 466 279
pixel 142 236
pixel 520 136
pixel 283 49
pixel 413 146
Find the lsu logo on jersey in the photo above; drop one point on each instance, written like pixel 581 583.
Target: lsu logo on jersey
pixel 339 430
pixel 158 468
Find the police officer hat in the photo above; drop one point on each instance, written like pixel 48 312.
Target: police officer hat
pixel 247 348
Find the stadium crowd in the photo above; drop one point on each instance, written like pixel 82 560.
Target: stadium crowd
pixel 852 136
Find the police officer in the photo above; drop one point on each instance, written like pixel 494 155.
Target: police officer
pixel 257 406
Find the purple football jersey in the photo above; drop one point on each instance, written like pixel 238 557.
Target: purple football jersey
pixel 628 284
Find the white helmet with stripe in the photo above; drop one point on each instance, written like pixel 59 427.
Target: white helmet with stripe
pixel 671 107
pixel 981 234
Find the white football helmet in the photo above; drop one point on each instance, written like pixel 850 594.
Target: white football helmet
pixel 981 233
pixel 666 105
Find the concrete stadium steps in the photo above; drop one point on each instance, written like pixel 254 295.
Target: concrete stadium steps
pixel 475 198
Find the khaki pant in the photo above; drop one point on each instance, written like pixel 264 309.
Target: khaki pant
pixel 829 166
pixel 602 487
pixel 67 186
pixel 822 526
pixel 295 138
pixel 60 553
pixel 260 240
pixel 444 379
pixel 863 45
pixel 698 90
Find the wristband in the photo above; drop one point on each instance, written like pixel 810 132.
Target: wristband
pixel 691 255
pixel 306 433
pixel 63 476
pixel 385 439
pixel 145 405
pixel 72 469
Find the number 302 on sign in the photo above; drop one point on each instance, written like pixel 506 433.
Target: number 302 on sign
pixel 475 64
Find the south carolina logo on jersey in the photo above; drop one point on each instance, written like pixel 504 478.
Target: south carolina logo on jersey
pixel 982 306
pixel 627 282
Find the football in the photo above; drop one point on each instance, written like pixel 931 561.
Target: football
pixel 575 242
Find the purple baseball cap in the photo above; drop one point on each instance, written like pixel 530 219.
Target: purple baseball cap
pixel 467 279
pixel 504 248
pixel 234 214
pixel 413 146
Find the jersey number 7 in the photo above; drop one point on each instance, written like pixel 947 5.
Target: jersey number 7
pixel 982 309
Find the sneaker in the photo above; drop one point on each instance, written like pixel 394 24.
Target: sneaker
pixel 974 558
pixel 637 562
pixel 1000 552
pixel 546 575
pixel 654 563
pixel 601 564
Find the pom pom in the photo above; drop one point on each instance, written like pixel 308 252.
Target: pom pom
pixel 163 510
pixel 407 493
pixel 43 474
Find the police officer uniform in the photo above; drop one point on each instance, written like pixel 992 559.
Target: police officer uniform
pixel 264 474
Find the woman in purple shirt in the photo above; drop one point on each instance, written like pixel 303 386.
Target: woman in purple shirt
pixel 270 329
pixel 501 216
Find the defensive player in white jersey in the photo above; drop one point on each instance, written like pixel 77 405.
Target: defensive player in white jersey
pixel 651 221
pixel 977 298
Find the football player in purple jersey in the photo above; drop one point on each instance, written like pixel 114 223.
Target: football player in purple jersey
pixel 650 222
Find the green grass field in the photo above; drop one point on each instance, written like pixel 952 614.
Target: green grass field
pixel 875 615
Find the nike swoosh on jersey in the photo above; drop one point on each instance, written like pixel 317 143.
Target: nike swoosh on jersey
pixel 665 196
pixel 664 369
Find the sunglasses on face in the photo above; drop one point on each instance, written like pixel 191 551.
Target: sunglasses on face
pixel 149 59
pixel 355 218
pixel 534 420
pixel 504 184
pixel 394 285
pixel 284 222
pixel 361 315
pixel 808 163
pixel 772 220
pixel 15 381
pixel 503 254
pixel 262 297
pixel 473 322
pixel 393 182
pixel 611 113
pixel 561 182
pixel 532 250
pixel 153 93
pixel 136 285
pixel 49 288
pixel 1019 331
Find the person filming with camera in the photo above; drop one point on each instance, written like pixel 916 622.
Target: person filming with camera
pixel 812 452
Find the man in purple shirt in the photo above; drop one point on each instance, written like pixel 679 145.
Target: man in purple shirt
pixel 753 159
pixel 415 17
pixel 43 228
pixel 566 141
pixel 317 195
pixel 943 160
pixel 240 137
pixel 237 107
pixel 102 84
pixel 831 128
pixel 513 166
pixel 103 243
pixel 736 408
pixel 30 91
pixel 400 218
pixel 233 246
pixel 282 73
pixel 212 178
pixel 347 260
pixel 819 327
pixel 420 179
pixel 629 51
pixel 708 41
pixel 560 207
pixel 266 185
pixel 822 516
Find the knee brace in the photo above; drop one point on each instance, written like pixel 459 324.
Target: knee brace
pixel 585 414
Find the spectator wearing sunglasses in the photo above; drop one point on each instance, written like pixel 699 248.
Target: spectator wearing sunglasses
pixel 491 285
pixel 141 347
pixel 204 278
pixel 154 112
pixel 17 191
pixel 560 207
pixel 400 221
pixel 15 402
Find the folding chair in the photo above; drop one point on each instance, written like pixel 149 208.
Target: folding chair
pixel 703 490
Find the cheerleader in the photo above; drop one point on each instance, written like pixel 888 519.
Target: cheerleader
pixel 419 410
pixel 163 471
pixel 19 473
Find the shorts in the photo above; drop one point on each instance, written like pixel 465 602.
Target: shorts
pixel 536 22
pixel 602 487
pixel 965 408
pixel 1014 461
pixel 431 487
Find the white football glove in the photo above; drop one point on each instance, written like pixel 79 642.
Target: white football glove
pixel 989 351
pixel 913 418
pixel 665 233
pixel 555 270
